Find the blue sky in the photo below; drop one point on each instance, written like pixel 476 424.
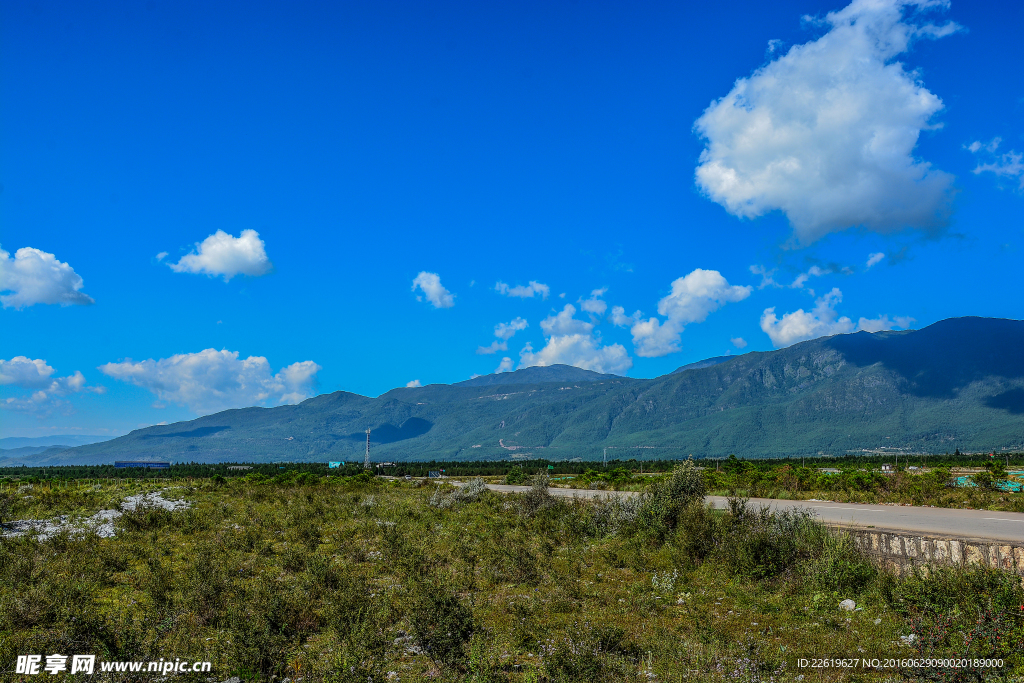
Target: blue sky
pixel 217 205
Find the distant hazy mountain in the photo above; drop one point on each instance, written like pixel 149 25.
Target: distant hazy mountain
pixel 956 384
pixel 55 440
pixel 29 455
pixel 537 375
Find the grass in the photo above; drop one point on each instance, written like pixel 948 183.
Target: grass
pixel 354 579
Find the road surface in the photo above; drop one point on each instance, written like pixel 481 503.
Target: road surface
pixel 926 521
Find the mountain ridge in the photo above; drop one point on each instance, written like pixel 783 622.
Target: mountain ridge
pixel 958 383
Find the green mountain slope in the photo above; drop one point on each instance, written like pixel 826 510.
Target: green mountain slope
pixel 956 384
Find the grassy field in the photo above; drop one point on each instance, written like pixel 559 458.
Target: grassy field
pixel 355 579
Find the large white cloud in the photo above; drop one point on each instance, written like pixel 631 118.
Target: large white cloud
pixel 529 291
pixel 692 299
pixel 44 391
pixel 826 132
pixel 212 380
pixel 220 254
pixel 822 321
pixel 430 285
pixel 573 342
pixel 36 277
pixel 580 350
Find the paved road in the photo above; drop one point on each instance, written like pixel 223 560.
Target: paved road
pixel 981 524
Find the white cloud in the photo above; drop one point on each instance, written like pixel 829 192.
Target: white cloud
pixel 767 279
pixel 1009 165
pixel 874 259
pixel 620 319
pixel 581 351
pixel 564 323
pixel 528 292
pixel 506 365
pixel 36 277
pixel 572 342
pixel 210 380
pixel 161 256
pixel 507 330
pixel 220 254
pixel 594 304
pixel 25 372
pixel 826 132
pixel 430 285
pixel 44 391
pixel 692 299
pixel 822 321
pixel 413 384
pixel 802 278
pixel 493 348
pixel 504 332
pixel 739 342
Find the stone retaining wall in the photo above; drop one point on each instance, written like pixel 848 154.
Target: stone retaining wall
pixel 900 550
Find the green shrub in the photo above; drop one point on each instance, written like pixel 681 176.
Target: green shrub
pixel 588 654
pixel 516 476
pixel 667 499
pixel 441 624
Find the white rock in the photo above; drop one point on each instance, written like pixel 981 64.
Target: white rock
pixel 847 605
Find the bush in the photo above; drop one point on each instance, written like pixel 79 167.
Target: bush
pixel 444 498
pixel 537 498
pixel 589 653
pixel 441 624
pixel 835 564
pixel 516 476
pixel 667 499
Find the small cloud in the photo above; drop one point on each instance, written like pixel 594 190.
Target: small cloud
pixel 1009 165
pixel 564 323
pixel 161 256
pixel 874 259
pixel 221 255
pixel 506 365
pixel 620 319
pixel 562 295
pixel 413 384
pixel 430 285
pixel 504 332
pixel 595 304
pixel 766 276
pixel 739 342
pixel 529 291
pixel 507 330
pixel 493 348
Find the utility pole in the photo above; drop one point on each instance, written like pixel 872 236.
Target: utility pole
pixel 366 460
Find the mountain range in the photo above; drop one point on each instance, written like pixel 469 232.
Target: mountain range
pixel 958 383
